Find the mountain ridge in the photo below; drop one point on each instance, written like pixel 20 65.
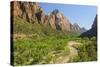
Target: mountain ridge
pixel 32 12
pixel 91 32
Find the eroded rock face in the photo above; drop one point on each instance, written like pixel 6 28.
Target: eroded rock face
pixel 32 12
pixel 58 21
pixel 25 10
pixel 93 31
pixel 76 27
pixel 82 30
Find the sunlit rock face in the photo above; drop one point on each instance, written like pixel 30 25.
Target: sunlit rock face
pixel 33 13
pixel 58 21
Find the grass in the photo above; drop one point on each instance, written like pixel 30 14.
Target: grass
pixel 46 45
pixel 42 47
pixel 87 51
pixel 42 50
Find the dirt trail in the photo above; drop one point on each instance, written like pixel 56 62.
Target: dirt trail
pixel 23 35
pixel 73 52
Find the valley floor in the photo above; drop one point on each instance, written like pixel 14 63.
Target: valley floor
pixel 73 52
pixel 37 44
pixel 36 49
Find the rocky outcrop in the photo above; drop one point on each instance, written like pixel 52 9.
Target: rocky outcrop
pixel 75 28
pixel 82 30
pixel 32 12
pixel 25 10
pixel 93 31
pixel 58 21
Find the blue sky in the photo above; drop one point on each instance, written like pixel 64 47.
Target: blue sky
pixel 81 14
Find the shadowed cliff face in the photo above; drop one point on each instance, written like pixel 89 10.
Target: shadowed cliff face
pixel 93 31
pixel 33 13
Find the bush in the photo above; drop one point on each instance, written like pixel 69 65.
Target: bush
pixel 87 51
pixel 46 45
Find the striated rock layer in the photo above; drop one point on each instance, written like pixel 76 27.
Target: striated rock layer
pixel 33 13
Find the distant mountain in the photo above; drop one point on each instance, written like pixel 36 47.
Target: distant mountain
pixel 77 29
pixel 82 30
pixel 33 13
pixel 93 31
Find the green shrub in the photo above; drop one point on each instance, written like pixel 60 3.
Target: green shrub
pixel 87 51
pixel 46 45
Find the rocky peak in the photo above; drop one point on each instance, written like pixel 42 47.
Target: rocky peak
pixel 76 26
pixel 58 21
pixel 94 25
pixel 82 30
pixel 93 31
pixel 32 12
pixel 77 29
pixel 55 11
pixel 25 10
